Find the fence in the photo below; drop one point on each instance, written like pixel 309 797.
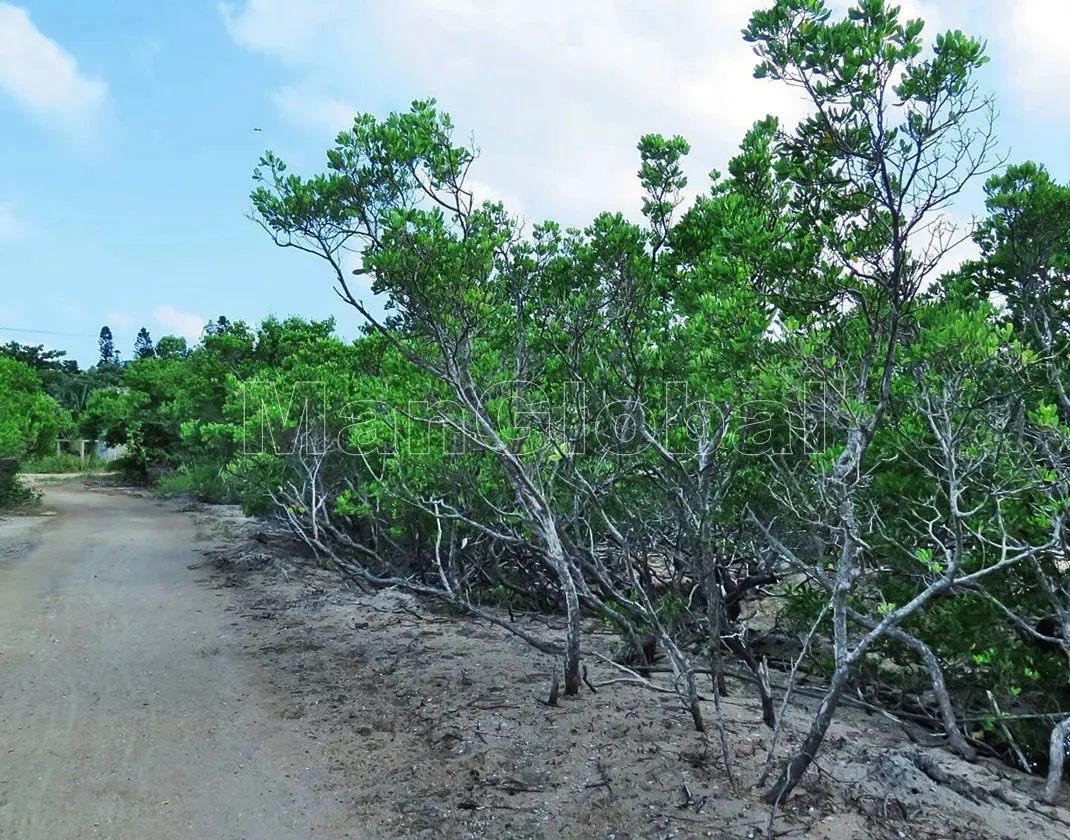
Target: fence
pixel 86 449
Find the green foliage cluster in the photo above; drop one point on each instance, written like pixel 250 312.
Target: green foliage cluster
pixel 30 422
pixel 62 463
pixel 649 421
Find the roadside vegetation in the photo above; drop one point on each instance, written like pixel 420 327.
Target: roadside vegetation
pixel 772 391
pixel 61 463
pixel 30 422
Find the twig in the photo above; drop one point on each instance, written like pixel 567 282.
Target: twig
pixel 588 682
pixel 639 682
pixel 605 778
pixel 1023 762
pixel 634 678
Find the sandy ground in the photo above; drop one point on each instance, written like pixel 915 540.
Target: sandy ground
pixel 148 689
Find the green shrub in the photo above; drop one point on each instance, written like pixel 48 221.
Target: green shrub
pixel 206 482
pixel 13 491
pixel 30 420
pixel 64 463
pixel 9 468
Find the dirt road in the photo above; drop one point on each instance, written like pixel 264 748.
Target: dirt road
pixel 128 709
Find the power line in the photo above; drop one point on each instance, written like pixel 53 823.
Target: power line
pixel 48 332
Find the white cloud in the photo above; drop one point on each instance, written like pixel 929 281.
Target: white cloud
pixel 286 29
pixel 1026 42
pixel 485 192
pixel 308 108
pixel 939 15
pixel 959 243
pixel 1036 51
pixel 44 77
pixel 10 226
pixel 176 322
pixel 557 94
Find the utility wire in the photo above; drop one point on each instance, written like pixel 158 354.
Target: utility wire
pixel 48 332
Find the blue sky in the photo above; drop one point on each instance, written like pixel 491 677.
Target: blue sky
pixel 127 141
